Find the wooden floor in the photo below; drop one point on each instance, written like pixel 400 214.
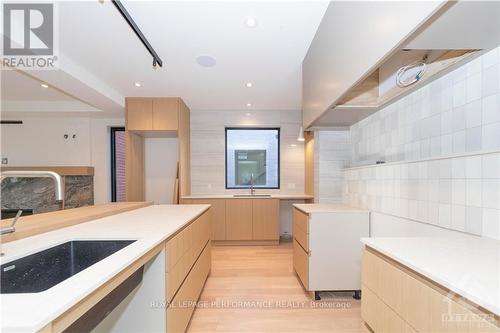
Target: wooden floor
pixel 254 289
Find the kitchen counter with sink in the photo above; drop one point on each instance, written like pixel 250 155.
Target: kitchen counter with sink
pixel 256 196
pixel 133 234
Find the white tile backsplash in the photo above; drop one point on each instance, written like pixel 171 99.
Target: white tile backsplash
pixel 445 141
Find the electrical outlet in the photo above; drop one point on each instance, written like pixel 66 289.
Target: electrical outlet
pixel 5 160
pixel 291 186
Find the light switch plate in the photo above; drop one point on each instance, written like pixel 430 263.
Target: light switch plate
pixel 291 186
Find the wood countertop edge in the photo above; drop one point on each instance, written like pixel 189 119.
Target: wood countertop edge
pixel 36 224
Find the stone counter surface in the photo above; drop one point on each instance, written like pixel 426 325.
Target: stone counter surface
pixel 257 196
pixel 329 208
pixel 466 265
pixel 150 226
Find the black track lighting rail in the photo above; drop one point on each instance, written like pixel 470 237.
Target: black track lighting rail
pixel 156 58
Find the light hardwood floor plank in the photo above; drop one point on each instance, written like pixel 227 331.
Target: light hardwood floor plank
pixel 263 277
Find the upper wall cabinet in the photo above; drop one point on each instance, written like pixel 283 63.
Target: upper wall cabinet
pixel 153 116
pixel 350 69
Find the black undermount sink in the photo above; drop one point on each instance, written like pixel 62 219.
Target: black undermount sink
pixel 42 270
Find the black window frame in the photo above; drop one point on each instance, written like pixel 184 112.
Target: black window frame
pixel 113 130
pixel 278 129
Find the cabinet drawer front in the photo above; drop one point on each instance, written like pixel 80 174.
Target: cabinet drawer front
pixel 301 228
pixel 182 306
pixel 379 316
pixel 301 220
pixel 422 305
pixel 301 263
pixel 300 235
pixel 183 250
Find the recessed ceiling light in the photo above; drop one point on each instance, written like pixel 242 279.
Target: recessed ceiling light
pixel 249 84
pixel 206 61
pixel 251 22
pixel 138 84
pixel 248 114
pixel 44 85
pixel 249 105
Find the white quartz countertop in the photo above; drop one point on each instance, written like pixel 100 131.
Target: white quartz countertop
pixel 150 226
pixel 329 208
pixel 239 196
pixel 466 265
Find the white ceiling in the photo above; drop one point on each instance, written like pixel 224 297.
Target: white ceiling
pixel 100 50
pixel 19 86
pixel 24 93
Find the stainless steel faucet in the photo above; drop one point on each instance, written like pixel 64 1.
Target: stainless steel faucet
pixel 12 228
pixel 252 190
pixel 32 174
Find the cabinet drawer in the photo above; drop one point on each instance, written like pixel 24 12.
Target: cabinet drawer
pixel 183 250
pixel 448 315
pixel 182 306
pixel 422 305
pixel 301 219
pixel 301 236
pixel 301 228
pixel 301 264
pixel 378 315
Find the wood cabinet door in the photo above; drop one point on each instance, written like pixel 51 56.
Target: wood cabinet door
pixel 218 222
pixel 239 219
pixel 266 219
pixel 139 114
pixel 217 215
pixel 165 114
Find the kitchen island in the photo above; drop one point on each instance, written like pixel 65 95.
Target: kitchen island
pixel 431 284
pixel 170 241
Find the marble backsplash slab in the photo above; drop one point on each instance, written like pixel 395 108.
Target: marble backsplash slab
pixel 39 193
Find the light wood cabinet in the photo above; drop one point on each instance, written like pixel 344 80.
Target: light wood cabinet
pixel 155 117
pixel 152 115
pixel 301 263
pixel 134 167
pixel 265 219
pixel 187 266
pixel 181 308
pixel 217 216
pixel 301 228
pixel 396 298
pixel 239 219
pixel 139 115
pixel 243 219
pixel 165 114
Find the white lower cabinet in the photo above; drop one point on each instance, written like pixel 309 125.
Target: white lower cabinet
pixel 327 248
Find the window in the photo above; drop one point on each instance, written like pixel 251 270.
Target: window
pixel 118 164
pixel 252 154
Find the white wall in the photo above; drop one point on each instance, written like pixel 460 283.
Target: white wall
pixel 161 156
pixel 208 156
pixel 444 144
pixel 40 141
pixel 331 156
